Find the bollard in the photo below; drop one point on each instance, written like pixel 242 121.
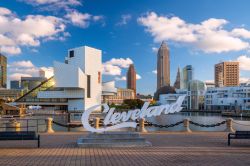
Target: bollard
pixel 142 125
pixel 229 123
pixel 97 122
pixel 17 126
pixel 49 125
pixel 186 125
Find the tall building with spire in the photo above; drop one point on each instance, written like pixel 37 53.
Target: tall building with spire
pixel 163 66
pixel 131 78
pixel 177 83
pixel 3 71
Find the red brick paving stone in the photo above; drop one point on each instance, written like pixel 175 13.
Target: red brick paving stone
pixel 169 148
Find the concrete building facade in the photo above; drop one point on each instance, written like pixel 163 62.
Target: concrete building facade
pixel 119 97
pixel 186 76
pixel 3 71
pixel 15 84
pixel 131 78
pixel 79 79
pixel 228 98
pixel 10 94
pixel 226 74
pixel 163 66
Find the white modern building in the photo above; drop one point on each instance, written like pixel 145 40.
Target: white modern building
pixel 78 80
pixel 171 98
pixel 195 94
pixel 228 98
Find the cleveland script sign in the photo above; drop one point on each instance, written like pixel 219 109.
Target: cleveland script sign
pixel 127 119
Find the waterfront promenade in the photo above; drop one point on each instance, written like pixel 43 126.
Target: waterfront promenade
pixel 169 148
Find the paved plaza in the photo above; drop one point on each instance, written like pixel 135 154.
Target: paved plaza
pixel 169 148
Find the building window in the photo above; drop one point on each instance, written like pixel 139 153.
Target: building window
pixel 71 53
pixel 99 77
pixel 88 86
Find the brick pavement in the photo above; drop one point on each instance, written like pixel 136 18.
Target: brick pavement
pixel 169 148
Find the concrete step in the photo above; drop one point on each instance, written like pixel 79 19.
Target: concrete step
pixel 116 144
pixel 114 135
pixel 112 140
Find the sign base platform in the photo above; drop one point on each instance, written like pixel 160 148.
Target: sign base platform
pixel 113 139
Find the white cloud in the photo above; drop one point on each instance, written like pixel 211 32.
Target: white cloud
pixel 241 32
pixel 79 19
pixel 109 69
pixel 54 4
pixel 4 11
pixel 154 71
pixel 138 77
pixel 83 19
pixel 121 62
pixel 22 64
pixel 17 76
pixel 19 69
pixel 13 50
pixel 244 80
pixel 49 71
pixel 98 18
pixel 125 18
pixel 123 78
pixel 244 62
pixel 115 65
pixel 155 49
pixel 208 36
pixel 16 32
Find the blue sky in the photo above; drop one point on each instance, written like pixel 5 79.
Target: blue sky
pixel 198 33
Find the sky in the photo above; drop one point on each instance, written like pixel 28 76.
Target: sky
pixel 34 33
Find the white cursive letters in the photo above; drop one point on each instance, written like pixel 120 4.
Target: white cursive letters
pixel 121 120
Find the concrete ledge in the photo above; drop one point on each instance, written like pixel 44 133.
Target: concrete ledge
pixel 113 139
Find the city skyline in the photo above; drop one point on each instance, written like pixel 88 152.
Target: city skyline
pixel 191 38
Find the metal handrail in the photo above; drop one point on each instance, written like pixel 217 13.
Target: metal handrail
pixel 27 126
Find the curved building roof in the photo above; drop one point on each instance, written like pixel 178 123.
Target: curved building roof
pixel 164 90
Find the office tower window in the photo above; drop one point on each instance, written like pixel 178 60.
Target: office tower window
pixel 88 86
pixel 71 53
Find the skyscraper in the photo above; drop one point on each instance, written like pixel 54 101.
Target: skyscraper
pixel 163 66
pixel 177 83
pixel 131 78
pixel 226 74
pixel 3 71
pixel 187 75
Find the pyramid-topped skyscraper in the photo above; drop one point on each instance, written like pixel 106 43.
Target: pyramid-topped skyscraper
pixel 177 83
pixel 163 66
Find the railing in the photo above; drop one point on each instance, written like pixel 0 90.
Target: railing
pixel 25 125
pixel 22 124
pixel 142 123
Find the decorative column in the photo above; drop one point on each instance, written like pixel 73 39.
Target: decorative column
pixel 97 122
pixel 229 123
pixel 49 125
pixel 142 125
pixel 186 125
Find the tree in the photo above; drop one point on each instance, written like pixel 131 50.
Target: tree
pixel 133 103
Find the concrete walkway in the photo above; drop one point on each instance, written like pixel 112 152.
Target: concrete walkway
pixel 169 148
